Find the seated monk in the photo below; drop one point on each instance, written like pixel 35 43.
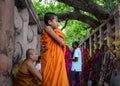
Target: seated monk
pixel 26 72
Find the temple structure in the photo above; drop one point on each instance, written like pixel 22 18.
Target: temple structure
pixel 19 28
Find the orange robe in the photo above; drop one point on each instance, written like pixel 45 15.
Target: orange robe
pixel 52 61
pixel 24 79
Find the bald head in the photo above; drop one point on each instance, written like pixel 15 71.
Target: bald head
pixel 29 52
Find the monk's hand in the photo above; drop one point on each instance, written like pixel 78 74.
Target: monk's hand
pixel 48 27
pixel 69 59
pixel 54 35
pixel 76 59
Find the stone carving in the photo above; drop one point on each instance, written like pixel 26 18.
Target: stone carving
pixel 18 53
pixel 17 57
pixel 22 38
pixel 35 39
pixel 30 34
pixel 16 36
pixel 18 23
pixel 25 15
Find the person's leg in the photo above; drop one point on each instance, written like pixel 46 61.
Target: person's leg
pixel 106 84
pixel 72 74
pixel 107 80
pixel 77 76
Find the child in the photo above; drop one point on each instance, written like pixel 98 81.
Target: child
pixel 52 59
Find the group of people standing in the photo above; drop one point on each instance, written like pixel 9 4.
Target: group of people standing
pixel 59 65
pixel 98 69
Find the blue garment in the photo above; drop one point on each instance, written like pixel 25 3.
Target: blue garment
pixel 77 66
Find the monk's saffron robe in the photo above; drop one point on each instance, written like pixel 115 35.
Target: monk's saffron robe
pixel 23 79
pixel 52 61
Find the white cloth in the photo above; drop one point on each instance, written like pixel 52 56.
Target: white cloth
pixel 77 66
pixel 38 67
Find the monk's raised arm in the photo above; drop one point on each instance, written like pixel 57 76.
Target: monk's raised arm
pixel 33 70
pixel 50 31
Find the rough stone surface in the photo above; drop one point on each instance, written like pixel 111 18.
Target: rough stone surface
pixel 17 21
pixel 6 41
pixel 27 37
pixel 30 34
pixel 16 36
pixel 5 71
pixel 3 39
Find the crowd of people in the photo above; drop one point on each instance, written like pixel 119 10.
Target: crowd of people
pixel 58 65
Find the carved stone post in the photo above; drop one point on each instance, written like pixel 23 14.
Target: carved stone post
pixel 100 36
pixel 95 40
pixel 85 44
pixel 90 45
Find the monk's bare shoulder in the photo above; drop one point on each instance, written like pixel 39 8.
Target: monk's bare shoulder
pixel 29 64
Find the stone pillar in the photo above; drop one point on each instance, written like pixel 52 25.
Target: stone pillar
pixel 111 36
pixel 108 34
pixel 101 36
pixel 95 40
pixel 6 41
pixel 90 45
pixel 85 44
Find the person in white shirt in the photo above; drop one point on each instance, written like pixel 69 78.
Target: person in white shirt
pixel 38 64
pixel 38 67
pixel 76 64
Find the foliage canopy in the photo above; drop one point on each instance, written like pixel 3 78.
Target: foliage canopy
pixel 84 15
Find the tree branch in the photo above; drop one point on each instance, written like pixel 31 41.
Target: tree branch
pixel 80 17
pixel 65 24
pixel 93 8
pixel 77 16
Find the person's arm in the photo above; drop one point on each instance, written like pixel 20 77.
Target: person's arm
pixel 76 54
pixel 73 59
pixel 33 70
pixel 51 32
pixel 115 63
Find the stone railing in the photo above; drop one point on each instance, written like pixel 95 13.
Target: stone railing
pixel 108 32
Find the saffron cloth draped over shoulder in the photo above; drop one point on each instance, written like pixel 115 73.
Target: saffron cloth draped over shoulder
pixel 23 79
pixel 53 61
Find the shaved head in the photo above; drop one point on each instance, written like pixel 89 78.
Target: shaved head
pixel 29 52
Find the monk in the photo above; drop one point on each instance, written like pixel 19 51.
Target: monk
pixel 52 59
pixel 26 72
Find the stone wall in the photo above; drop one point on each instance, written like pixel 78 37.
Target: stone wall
pixel 25 35
pixel 17 34
pixel 6 41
